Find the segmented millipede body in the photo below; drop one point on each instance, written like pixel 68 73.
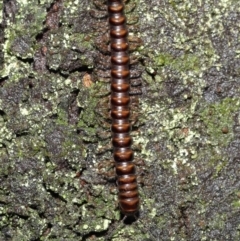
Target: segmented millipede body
pixel 128 196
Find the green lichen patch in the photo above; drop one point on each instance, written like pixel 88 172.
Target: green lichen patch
pixel 66 51
pixel 88 100
pixel 21 35
pixel 218 120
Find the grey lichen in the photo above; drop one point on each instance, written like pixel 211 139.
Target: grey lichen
pixel 189 111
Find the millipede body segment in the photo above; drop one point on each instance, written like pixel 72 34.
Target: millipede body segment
pixel 120 110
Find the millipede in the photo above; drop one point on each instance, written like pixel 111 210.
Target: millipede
pixel 128 196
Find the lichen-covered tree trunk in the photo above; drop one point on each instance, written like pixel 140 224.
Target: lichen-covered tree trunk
pixel 56 170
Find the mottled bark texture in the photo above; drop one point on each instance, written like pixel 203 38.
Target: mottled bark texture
pixel 56 169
